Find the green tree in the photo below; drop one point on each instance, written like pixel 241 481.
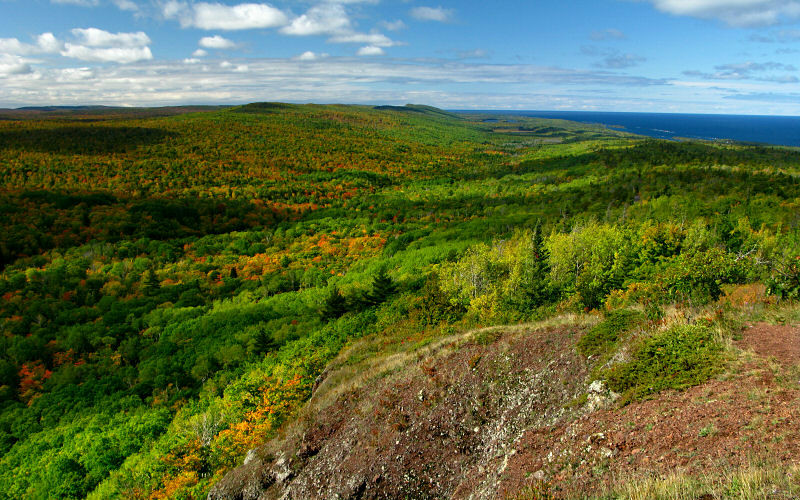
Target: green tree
pixel 335 305
pixel 383 287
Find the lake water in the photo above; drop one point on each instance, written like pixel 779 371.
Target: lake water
pixel 781 130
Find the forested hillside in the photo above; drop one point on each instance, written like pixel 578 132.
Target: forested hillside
pixel 173 286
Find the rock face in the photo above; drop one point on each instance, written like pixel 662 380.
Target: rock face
pixel 441 426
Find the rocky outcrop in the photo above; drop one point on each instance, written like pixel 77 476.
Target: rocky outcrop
pixel 443 425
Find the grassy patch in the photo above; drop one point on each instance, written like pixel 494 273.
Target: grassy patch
pixel 680 357
pixel 605 334
pixel 751 483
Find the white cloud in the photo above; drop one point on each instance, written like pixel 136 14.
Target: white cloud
pixel 93 37
pixel 96 45
pixel 126 5
pixel 213 16
pixel 311 56
pixel 122 55
pixel 366 80
pixel 13 65
pixel 370 50
pixel 324 19
pixel 394 25
pixel 216 42
pixel 432 14
pixel 374 39
pixel 199 53
pixel 75 74
pixel 734 12
pixel 46 43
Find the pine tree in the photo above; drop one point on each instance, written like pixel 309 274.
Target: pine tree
pixel 383 287
pixel 151 283
pixel 264 342
pixel 335 305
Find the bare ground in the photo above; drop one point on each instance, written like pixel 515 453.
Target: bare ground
pixel 485 419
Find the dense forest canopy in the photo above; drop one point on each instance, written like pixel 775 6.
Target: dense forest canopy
pixel 173 284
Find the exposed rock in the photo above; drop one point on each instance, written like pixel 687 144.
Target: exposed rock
pixel 416 434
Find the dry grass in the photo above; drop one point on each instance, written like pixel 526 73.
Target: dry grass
pixel 756 482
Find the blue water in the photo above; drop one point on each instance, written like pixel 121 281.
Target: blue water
pixel 780 130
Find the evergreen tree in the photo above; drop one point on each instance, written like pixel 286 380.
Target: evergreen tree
pixel 151 283
pixel 264 342
pixel 335 305
pixel 383 287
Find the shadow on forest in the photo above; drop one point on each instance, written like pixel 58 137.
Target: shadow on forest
pixel 90 140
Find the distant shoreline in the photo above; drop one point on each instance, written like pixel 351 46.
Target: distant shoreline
pixel 761 129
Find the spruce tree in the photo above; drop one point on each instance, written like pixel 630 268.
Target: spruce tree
pixel 383 287
pixel 264 342
pixel 151 283
pixel 335 305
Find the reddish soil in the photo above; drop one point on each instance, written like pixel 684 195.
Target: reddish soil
pixel 485 421
pixel 430 430
pixel 779 342
pixel 708 428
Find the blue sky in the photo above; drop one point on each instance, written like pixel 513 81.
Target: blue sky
pixel 694 56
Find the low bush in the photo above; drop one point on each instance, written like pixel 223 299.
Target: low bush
pixel 680 357
pixel 603 336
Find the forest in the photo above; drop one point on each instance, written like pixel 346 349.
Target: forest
pixel 174 283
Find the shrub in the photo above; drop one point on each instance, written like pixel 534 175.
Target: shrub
pixel 600 338
pixel 785 282
pixel 681 357
pixel 697 278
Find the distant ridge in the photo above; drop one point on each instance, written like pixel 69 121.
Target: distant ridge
pixel 419 108
pixel 67 108
pixel 98 112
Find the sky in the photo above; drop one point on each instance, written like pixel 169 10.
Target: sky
pixel 685 56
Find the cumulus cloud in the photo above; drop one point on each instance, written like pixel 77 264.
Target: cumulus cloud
pixel 199 53
pixel 325 19
pixel 46 43
pixel 432 14
pixel 96 45
pixel 94 37
pixel 311 56
pixel 370 50
pixel 741 13
pixel 331 19
pixel 216 42
pixel 216 16
pixel 13 65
